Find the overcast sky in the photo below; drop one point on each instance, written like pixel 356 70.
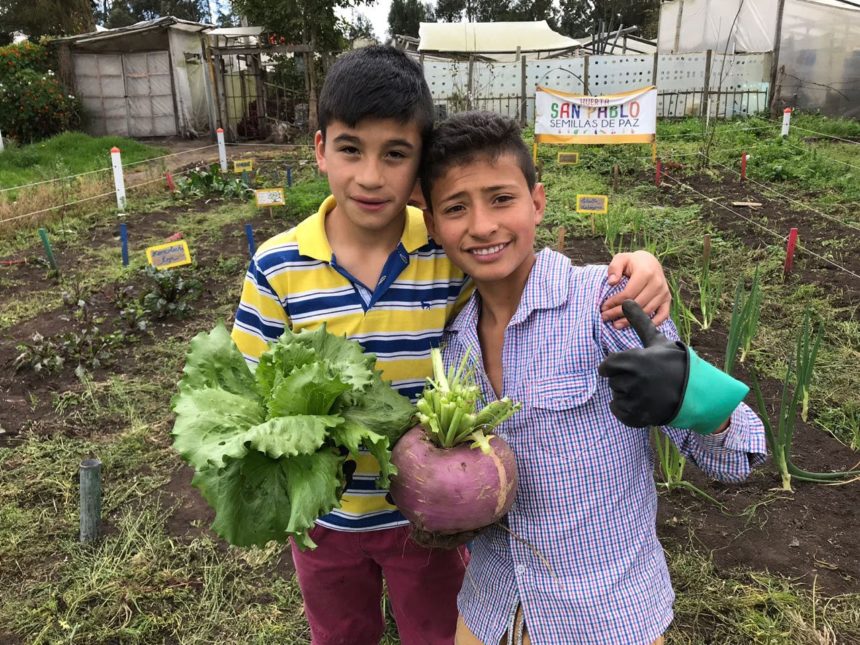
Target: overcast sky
pixel 377 13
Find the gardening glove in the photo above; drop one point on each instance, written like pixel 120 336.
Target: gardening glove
pixel 666 384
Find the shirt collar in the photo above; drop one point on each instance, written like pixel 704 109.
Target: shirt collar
pixel 313 242
pixel 548 287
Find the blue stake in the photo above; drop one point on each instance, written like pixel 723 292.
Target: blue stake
pixel 123 234
pixel 249 233
pixel 289 176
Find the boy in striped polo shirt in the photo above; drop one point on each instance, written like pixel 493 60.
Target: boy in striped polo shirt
pixel 585 566
pixel 364 266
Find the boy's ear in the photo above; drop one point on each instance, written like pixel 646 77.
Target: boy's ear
pixel 319 150
pixel 431 225
pixel 539 202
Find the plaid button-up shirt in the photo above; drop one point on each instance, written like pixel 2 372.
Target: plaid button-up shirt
pixel 581 552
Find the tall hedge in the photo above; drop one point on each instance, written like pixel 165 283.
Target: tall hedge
pixel 33 105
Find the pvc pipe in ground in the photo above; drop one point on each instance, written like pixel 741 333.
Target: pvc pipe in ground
pixel 118 180
pixel 1 141
pixel 786 122
pixel 222 149
pixel 91 499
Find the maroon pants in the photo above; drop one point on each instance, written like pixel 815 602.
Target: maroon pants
pixel 341 583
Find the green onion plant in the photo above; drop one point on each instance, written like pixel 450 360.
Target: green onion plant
pixel 744 323
pixel 671 464
pixel 710 290
pixel 795 395
pixel 681 314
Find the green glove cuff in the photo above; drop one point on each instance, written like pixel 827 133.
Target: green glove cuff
pixel 709 398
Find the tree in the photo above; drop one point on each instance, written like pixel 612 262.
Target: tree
pixel 119 15
pixel 360 27
pixel 405 17
pixel 37 18
pixel 308 22
pixel 579 17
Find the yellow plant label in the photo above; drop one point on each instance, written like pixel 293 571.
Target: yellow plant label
pixel 592 203
pixel 167 256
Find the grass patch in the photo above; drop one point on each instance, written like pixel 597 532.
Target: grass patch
pixel 748 607
pixel 69 153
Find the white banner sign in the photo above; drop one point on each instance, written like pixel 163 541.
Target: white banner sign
pixel 630 117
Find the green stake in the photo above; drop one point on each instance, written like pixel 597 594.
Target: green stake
pixel 47 244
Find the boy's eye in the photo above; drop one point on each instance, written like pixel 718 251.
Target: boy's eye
pixel 397 154
pixel 349 150
pixel 502 199
pixel 453 211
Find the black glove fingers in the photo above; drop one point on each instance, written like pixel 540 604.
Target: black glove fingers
pixel 641 324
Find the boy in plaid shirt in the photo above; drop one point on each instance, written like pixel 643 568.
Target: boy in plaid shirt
pixel 585 566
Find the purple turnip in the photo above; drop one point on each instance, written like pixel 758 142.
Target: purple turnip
pixel 452 490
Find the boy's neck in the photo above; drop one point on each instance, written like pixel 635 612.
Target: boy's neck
pixel 501 299
pixel 345 238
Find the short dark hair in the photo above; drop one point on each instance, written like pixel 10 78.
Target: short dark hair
pixel 465 137
pixel 377 82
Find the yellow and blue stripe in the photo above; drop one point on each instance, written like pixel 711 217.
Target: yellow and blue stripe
pixel 294 281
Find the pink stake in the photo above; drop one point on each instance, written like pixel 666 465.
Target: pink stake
pixel 743 166
pixel 658 172
pixel 789 251
pixel 170 185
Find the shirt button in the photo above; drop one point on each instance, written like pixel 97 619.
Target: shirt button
pixel 521 569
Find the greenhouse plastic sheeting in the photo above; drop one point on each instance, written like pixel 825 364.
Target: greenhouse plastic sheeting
pixel 819 59
pixel 489 37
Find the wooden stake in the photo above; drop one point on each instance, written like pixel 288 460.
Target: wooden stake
pixel 48 251
pixel 559 242
pixel 616 177
pixel 593 228
pixel 91 499
pixel 123 236
pixel 658 172
pixel 743 166
pixel 706 249
pixel 789 251
pixel 249 233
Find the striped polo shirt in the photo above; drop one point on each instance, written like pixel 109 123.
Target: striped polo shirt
pixel 294 281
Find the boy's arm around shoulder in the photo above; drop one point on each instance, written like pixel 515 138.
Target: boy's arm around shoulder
pixel 727 455
pixel 260 317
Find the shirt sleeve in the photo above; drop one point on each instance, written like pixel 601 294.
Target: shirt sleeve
pixel 260 318
pixel 728 456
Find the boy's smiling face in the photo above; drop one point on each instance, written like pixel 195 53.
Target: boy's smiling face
pixel 371 170
pixel 485 216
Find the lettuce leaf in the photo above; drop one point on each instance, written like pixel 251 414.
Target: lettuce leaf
pixel 268 445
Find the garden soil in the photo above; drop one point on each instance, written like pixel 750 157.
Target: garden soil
pixel 808 535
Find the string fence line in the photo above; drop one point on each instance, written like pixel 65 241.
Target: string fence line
pixel 87 199
pixel 791 199
pixel 818 150
pixel 106 169
pixel 717 131
pixel 274 145
pixel 822 134
pixel 783 238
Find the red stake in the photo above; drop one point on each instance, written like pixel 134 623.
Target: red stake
pixel 789 251
pixel 173 238
pixel 658 172
pixel 170 185
pixel 743 166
